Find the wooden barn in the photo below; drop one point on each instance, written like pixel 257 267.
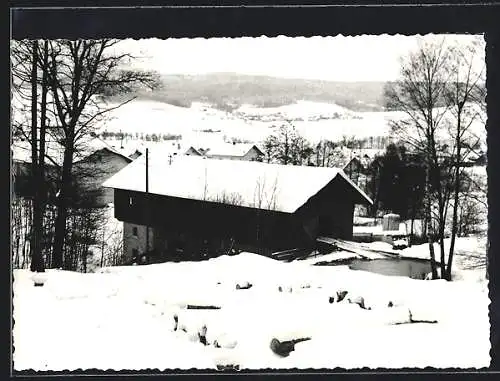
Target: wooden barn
pixel 196 207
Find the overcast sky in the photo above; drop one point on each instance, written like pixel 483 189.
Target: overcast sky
pixel 340 58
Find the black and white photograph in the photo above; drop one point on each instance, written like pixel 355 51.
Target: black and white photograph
pixel 249 203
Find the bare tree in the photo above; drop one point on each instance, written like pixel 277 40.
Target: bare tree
pixel 29 58
pixel 287 146
pixel 466 79
pixel 435 92
pixel 76 76
pixel 36 260
pixel 79 73
pixel 324 152
pixel 420 94
pixel 229 198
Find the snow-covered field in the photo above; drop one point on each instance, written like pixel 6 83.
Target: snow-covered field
pixel 123 318
pixel 314 120
pixel 203 125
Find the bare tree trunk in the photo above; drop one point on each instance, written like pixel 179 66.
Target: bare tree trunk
pixel 412 224
pixel 428 203
pixel 441 244
pixel 16 230
pixel 374 207
pixel 41 157
pixel 103 244
pixel 487 258
pixel 35 249
pixel 49 230
pixel 27 224
pixel 39 173
pixel 62 207
pixel 456 194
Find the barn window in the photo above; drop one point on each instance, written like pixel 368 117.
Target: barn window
pixel 130 201
pixel 135 253
pixel 134 231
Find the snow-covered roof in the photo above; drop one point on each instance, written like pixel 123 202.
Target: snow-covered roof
pixel 282 188
pixel 21 151
pixel 229 149
pixel 131 147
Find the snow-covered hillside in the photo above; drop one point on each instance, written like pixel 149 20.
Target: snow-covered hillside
pixel 299 111
pixel 203 124
pixel 123 317
pixel 314 120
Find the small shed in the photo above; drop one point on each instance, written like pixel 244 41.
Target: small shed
pixel 390 222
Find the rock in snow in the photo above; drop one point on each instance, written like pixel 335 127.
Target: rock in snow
pixel 283 348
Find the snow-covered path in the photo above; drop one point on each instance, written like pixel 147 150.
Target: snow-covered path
pixel 123 318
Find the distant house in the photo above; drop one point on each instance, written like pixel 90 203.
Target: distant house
pixel 96 168
pixel 354 168
pixel 197 206
pixel 89 172
pixel 135 154
pixel 191 151
pixel 235 151
pixel 22 168
pixel 133 151
pixel 357 169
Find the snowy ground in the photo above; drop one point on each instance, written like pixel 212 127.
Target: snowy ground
pixel 123 318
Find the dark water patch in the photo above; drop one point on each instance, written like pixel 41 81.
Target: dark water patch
pixel 409 267
pixel 412 268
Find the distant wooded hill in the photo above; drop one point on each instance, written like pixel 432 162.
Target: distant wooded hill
pixel 229 90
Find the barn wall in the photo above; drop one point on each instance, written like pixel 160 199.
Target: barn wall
pixel 137 241
pixel 342 218
pixel 311 226
pixel 332 209
pixel 251 228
